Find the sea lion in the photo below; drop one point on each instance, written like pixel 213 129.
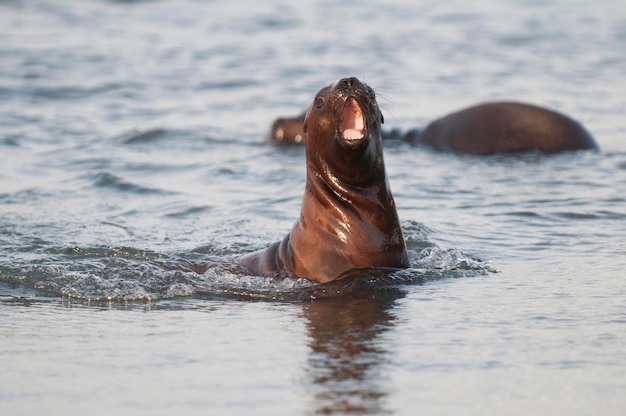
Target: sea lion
pixel 348 220
pixel 288 130
pixel 498 127
pixel 504 127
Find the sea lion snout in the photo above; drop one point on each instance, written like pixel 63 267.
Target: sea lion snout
pixel 349 83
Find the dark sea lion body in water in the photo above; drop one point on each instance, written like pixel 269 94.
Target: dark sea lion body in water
pixel 499 127
pixel 288 130
pixel 504 127
pixel 348 219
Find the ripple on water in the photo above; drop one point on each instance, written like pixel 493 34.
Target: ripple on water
pixel 147 136
pixel 74 92
pixel 111 181
pixel 160 135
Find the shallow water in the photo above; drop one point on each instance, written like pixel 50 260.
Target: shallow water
pixel 132 144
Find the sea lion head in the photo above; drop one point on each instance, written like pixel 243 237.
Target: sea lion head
pixel 343 130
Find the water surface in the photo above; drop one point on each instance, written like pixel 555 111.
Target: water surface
pixel 132 144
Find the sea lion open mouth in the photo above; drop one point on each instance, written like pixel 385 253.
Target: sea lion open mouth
pixel 352 122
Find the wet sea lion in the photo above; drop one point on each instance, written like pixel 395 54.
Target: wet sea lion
pixel 498 127
pixel 348 219
pixel 504 127
pixel 288 130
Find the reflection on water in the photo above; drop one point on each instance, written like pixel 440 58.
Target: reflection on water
pixel 347 356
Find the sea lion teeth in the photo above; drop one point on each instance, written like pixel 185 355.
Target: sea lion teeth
pixel 351 134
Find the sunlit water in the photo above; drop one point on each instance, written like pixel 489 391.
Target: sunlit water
pixel 132 146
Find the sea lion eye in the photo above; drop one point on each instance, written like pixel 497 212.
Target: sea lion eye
pixel 319 101
pixel 371 92
pixel 382 119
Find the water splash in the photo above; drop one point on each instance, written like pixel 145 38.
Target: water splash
pixel 123 274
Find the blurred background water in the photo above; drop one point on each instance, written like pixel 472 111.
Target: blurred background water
pixel 133 141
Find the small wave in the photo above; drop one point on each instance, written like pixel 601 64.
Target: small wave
pixel 105 252
pixel 416 235
pixel 74 92
pixel 524 214
pixel 611 215
pixel 228 85
pixel 453 260
pixel 158 135
pixel 148 136
pixel 576 215
pixel 189 212
pixel 118 280
pixel 108 180
pixel 12 141
pixel 166 136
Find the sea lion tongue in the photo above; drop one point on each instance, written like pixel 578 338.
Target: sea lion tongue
pixel 351 122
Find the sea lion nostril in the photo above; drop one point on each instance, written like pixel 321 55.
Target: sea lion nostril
pixel 349 82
